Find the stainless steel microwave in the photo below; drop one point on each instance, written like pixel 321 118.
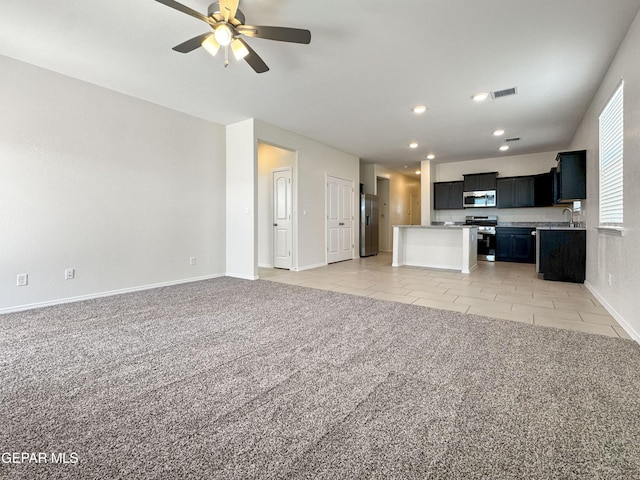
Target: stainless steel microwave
pixel 485 198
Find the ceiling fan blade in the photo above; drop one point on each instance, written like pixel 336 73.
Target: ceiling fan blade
pixel 282 34
pixel 228 9
pixel 253 59
pixel 184 9
pixel 192 44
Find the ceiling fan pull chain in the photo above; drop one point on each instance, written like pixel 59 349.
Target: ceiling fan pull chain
pixel 226 56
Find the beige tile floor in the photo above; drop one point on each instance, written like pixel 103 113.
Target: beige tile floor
pixel 509 291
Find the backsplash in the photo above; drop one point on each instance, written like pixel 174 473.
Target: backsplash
pixel 505 215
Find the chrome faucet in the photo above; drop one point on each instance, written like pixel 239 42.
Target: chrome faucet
pixel 570 216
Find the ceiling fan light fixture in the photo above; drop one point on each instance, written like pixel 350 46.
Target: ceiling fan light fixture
pixel 211 45
pixel 239 49
pixel 223 34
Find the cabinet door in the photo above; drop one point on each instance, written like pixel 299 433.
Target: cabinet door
pixel 572 178
pixel 440 196
pixel 523 248
pixel 543 190
pixel 524 191
pixel 504 249
pixel 506 192
pixel 447 195
pixel 563 255
pixel 455 194
pixel 480 181
pixel 515 244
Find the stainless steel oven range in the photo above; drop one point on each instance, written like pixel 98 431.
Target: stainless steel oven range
pixel 486 235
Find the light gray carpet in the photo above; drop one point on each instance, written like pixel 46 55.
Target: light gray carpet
pixel 232 379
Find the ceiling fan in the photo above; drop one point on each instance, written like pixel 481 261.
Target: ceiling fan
pixel 227 24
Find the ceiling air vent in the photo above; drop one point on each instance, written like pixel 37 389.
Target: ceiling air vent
pixel 514 139
pixel 504 93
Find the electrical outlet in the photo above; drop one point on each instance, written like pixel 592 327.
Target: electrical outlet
pixel 192 260
pixel 69 274
pixel 23 280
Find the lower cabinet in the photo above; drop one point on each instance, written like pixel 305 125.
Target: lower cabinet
pixel 515 244
pixel 562 255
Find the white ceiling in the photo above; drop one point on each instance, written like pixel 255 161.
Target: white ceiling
pixel 368 64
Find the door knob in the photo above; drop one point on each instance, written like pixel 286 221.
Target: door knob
pixel 275 224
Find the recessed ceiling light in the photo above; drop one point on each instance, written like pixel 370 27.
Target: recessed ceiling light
pixel 413 145
pixel 417 172
pixel 431 156
pixel 479 97
pixel 419 109
pixel 504 148
pixel 498 132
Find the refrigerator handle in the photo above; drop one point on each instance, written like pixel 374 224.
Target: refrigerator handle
pixel 367 220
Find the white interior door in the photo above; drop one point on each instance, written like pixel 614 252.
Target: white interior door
pixel 282 206
pixel 339 219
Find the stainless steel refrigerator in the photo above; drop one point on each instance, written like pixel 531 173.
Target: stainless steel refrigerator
pixel 368 225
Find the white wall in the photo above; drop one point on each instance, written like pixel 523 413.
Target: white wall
pixel 315 162
pixel 618 256
pixel 241 200
pixel 270 157
pixel 122 190
pixel 510 166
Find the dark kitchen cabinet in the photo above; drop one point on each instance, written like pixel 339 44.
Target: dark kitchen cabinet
pixel 515 192
pixel 543 190
pixel 570 177
pixel 480 181
pixel 447 195
pixel 562 255
pixel 515 244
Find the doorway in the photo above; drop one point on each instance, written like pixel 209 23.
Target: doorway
pixel 272 159
pixel 414 210
pixel 383 188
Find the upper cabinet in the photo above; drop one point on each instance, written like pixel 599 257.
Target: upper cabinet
pixel 447 195
pixel 515 192
pixel 570 182
pixel 563 184
pixel 543 190
pixel 480 181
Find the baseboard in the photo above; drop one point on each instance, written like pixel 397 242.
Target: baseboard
pixel 109 293
pixel 310 267
pixel 242 276
pixel 265 265
pixel 612 311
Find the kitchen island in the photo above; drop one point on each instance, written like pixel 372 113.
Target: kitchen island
pixel 436 246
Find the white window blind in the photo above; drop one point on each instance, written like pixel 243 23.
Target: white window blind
pixel 611 128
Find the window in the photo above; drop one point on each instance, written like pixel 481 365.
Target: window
pixel 611 128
